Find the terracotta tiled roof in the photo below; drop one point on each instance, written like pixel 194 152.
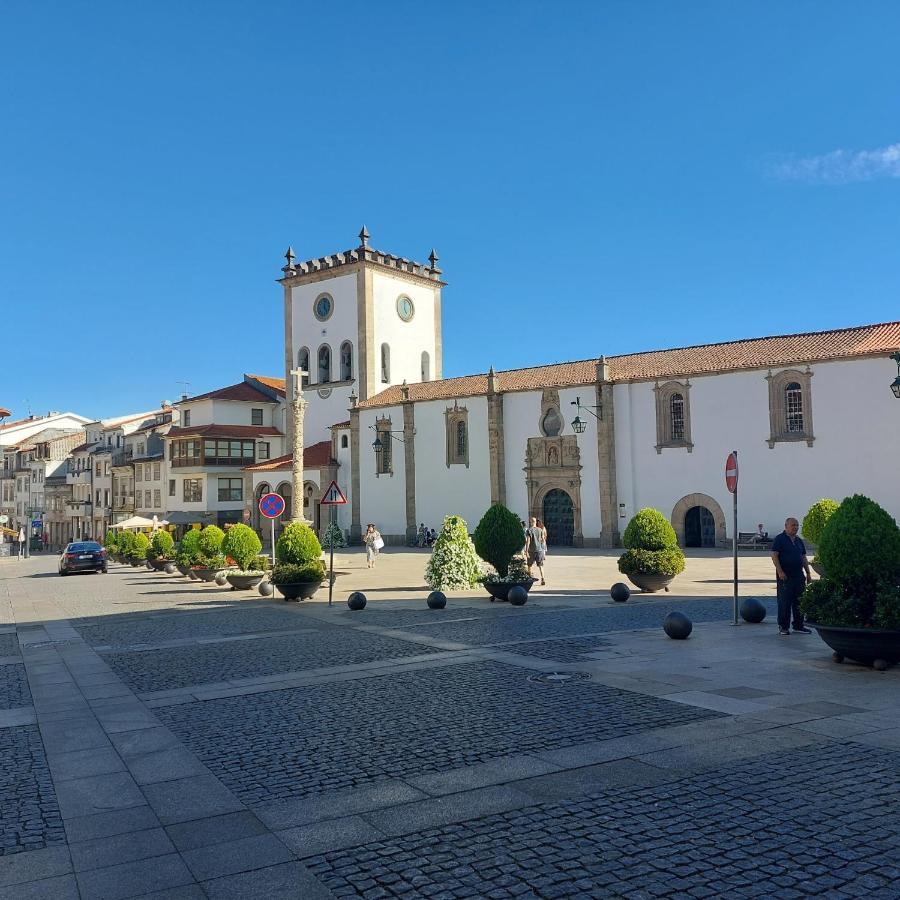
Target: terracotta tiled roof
pixel 753 353
pixel 81 447
pixel 239 391
pixel 277 384
pixel 341 424
pixel 314 456
pixel 235 431
pixel 16 422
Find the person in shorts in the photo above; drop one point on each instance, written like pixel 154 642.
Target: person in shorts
pixel 535 547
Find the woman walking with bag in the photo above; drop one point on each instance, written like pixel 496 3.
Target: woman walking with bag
pixel 374 542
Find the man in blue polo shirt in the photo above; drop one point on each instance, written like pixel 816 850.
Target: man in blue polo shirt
pixel 792 571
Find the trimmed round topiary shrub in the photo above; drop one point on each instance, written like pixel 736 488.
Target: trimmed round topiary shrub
pixel 126 543
pixel 298 544
pixel 499 537
pixel 162 544
pixel 815 520
pixel 210 542
pixel 141 545
pixel 649 529
pixel 189 548
pixel 454 563
pixel 111 542
pixel 242 544
pixel 860 548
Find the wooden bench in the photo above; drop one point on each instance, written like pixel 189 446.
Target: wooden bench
pixel 749 540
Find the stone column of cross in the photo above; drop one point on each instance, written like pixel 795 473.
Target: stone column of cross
pixel 298 406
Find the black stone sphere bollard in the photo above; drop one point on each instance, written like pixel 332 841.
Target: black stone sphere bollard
pixel 170 568
pixel 266 589
pixel 436 600
pixel 620 592
pixel 221 579
pixel 753 610
pixel 517 595
pixel 677 626
pixel 357 601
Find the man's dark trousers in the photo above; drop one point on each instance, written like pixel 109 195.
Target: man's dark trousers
pixel 789 592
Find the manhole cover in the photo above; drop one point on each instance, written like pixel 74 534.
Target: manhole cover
pixel 559 677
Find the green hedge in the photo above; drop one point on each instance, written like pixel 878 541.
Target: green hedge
pixel 652 562
pixel 290 573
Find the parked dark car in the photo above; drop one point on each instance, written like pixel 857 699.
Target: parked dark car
pixel 83 556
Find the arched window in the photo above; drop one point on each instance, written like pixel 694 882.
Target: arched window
pixel 346 361
pixel 676 417
pixel 324 364
pixel 793 408
pixel 385 364
pixel 303 365
pixel 426 366
pixel 462 439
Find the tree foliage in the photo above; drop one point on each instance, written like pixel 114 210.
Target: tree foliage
pixel 334 537
pixel 141 545
pixel 210 541
pixel 298 544
pixel 498 537
pixel 242 544
pixel 162 544
pixel 815 520
pixel 649 529
pixel 454 563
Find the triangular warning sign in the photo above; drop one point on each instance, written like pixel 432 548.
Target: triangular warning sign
pixel 334 496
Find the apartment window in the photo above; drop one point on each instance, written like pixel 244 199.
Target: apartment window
pixel 140 449
pixel 263 448
pixel 185 453
pixel 790 407
pixel 138 472
pixel 256 417
pixel 171 487
pixel 193 490
pixel 185 418
pixel 98 496
pixel 226 452
pixel 231 489
pixel 157 499
pixel 156 472
pixel 97 469
pixel 106 497
pixel 673 416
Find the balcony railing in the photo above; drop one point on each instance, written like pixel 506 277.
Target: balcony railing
pixel 122 457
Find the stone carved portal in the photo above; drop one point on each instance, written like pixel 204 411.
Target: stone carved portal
pixel 553 463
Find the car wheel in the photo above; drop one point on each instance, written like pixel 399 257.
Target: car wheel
pixel 63 573
pixel 104 571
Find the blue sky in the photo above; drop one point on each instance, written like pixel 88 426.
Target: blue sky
pixel 596 177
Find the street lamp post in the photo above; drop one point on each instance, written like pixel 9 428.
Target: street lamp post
pixel 578 424
pixel 298 406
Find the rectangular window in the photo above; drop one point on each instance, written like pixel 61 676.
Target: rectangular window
pixel 185 418
pixel 193 490
pixel 384 457
pixel 171 487
pixel 231 489
pixel 186 453
pixel 227 452
pixel 157 499
pixel 156 472
pixel 97 469
pixel 256 417
pixel 262 449
pixel 137 472
pixel 147 499
pixel 98 496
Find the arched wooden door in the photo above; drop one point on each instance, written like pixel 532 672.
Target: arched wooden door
pixel 699 527
pixel 559 518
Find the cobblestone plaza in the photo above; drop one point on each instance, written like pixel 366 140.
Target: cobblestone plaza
pixel 168 739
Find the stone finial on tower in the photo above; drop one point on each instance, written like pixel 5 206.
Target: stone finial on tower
pixel 353 399
pixel 493 382
pixel 289 257
pixel 364 238
pixel 602 369
pixel 433 259
pixel 404 390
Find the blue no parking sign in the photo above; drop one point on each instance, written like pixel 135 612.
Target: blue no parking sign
pixel 271 505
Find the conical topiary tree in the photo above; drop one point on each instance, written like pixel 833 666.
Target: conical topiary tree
pixel 498 537
pixel 454 563
pixel 333 537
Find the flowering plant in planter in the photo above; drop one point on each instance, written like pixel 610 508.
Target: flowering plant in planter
pixel 454 564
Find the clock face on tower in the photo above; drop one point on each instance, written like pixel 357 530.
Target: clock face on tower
pixel 405 308
pixel 323 307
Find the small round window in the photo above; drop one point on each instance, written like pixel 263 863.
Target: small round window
pixel 323 307
pixel 405 308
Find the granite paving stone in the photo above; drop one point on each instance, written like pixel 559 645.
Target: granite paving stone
pixel 333 737
pixel 14 690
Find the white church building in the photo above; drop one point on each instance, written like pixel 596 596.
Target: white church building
pixel 584 444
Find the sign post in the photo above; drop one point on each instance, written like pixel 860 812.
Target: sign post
pixel 731 482
pixel 272 506
pixel 332 498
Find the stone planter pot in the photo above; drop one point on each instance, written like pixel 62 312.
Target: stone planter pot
pixel 870 646
pixel 185 570
pixel 499 590
pixel 240 582
pixel 650 584
pixel 203 574
pixel 817 567
pixel 301 590
pixel 137 563
pixel 158 564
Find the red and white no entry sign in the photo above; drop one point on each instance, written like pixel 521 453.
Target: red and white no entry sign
pixel 731 472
